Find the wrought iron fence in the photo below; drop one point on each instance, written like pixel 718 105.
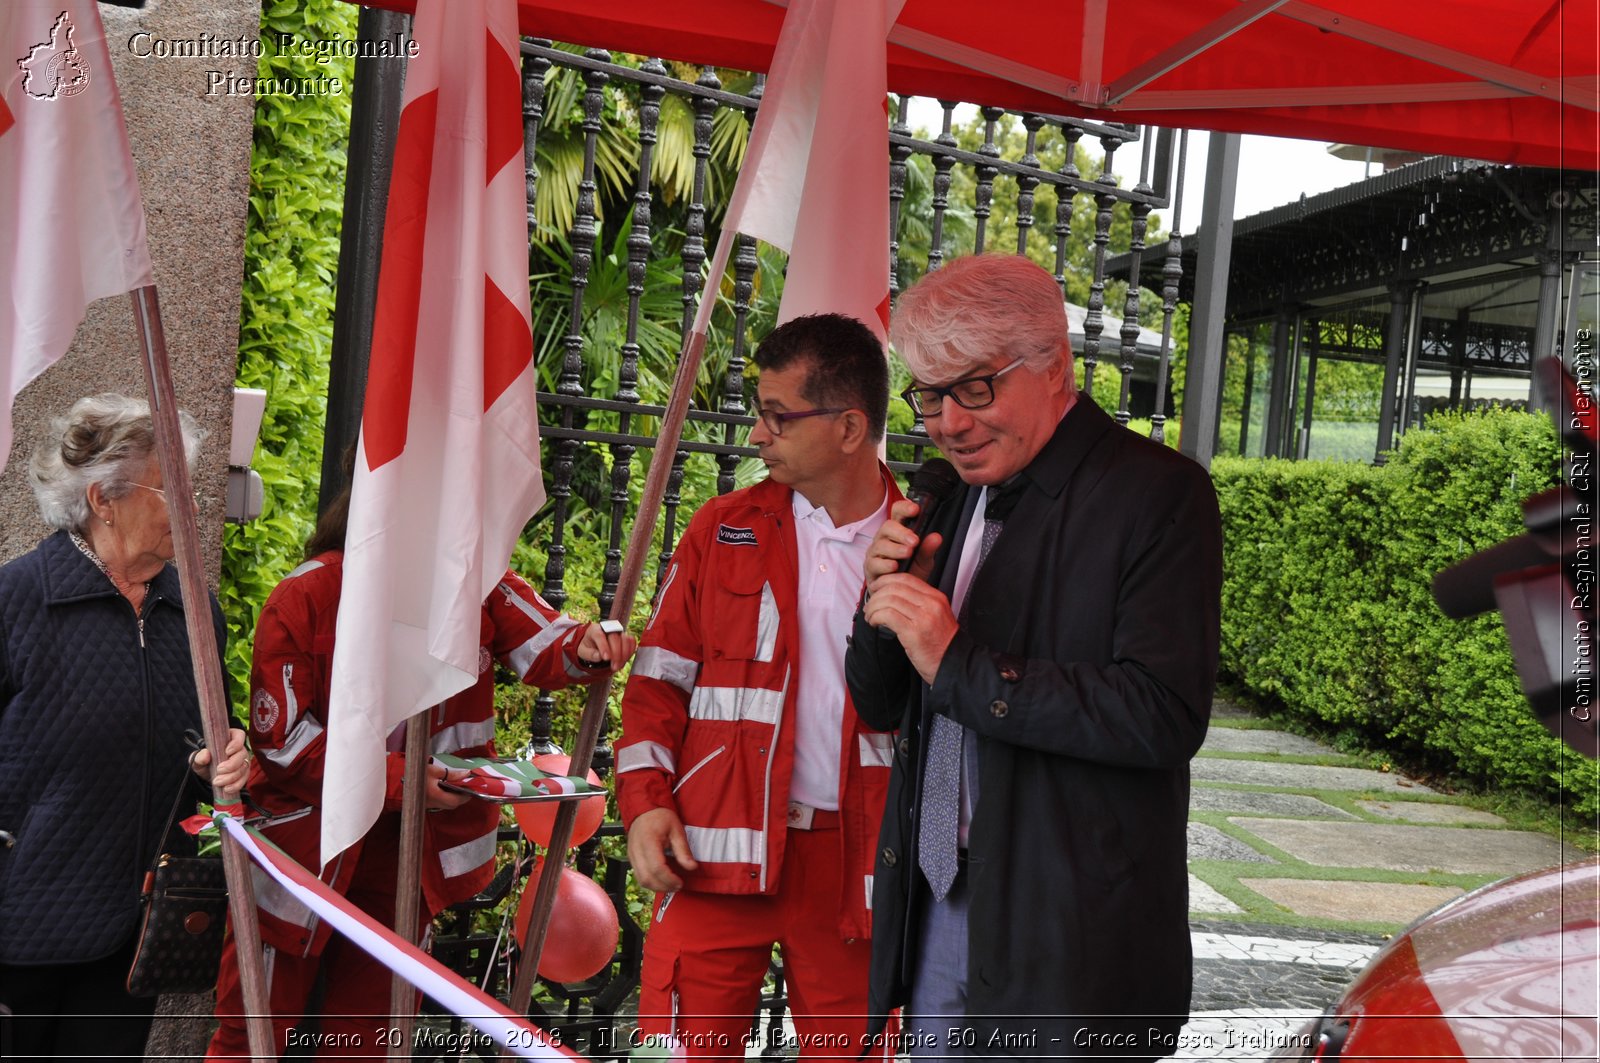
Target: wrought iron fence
pixel 598 415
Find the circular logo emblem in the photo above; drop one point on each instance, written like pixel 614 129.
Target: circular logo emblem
pixel 484 659
pixel 264 711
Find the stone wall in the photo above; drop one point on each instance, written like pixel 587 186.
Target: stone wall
pixel 192 150
pixel 191 145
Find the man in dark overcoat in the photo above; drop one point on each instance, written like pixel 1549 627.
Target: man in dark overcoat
pixel 1048 659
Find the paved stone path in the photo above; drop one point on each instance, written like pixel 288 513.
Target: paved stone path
pixel 1299 873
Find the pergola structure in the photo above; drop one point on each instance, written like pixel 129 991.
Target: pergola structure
pixel 1447 276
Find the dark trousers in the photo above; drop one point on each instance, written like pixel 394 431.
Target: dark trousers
pixel 79 1010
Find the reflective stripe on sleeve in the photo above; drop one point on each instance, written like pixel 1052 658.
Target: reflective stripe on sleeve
pixel 307 729
pixel 645 755
pixel 462 736
pixel 522 658
pixel 767 625
pixel 304 567
pixel 725 845
pixel 468 856
pixel 877 750
pixel 731 704
pixel 658 662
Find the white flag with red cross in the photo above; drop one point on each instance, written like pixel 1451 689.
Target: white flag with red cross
pixel 819 153
pixel 447 471
pixel 72 226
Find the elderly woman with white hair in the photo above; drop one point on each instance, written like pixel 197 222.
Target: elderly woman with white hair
pixel 96 692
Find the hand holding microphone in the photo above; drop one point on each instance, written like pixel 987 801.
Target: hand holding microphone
pixel 900 545
pixel 900 603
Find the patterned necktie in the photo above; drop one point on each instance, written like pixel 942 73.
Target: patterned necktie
pixel 937 831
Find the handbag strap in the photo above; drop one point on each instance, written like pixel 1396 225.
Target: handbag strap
pixel 195 743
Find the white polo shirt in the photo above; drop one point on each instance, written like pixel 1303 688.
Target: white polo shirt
pixel 831 566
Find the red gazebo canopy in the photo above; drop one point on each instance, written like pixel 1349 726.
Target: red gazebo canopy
pixel 1503 80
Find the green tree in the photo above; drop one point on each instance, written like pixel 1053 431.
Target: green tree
pixel 559 150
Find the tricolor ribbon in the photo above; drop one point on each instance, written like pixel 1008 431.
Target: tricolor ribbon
pixel 483 1012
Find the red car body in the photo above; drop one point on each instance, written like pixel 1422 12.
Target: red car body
pixel 1508 971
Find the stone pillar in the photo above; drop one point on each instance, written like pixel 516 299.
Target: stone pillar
pixel 191 146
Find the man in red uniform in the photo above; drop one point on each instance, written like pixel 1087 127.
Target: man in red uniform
pixel 289 679
pixel 750 790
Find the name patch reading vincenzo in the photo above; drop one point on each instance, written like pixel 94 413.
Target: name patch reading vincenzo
pixel 736 536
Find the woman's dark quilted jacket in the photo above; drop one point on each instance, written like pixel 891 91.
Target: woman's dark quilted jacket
pixel 92 715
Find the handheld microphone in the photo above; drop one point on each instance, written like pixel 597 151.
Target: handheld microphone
pixel 930 485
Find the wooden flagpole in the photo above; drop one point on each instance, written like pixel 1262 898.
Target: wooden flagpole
pixel 594 710
pixel 408 882
pixel 204 653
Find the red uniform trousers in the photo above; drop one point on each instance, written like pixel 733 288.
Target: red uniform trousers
pixel 707 953
pixel 355 1006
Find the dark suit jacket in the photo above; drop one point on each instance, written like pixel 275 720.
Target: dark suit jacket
pixel 1085 666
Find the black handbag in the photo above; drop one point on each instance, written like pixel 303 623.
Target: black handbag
pixel 185 910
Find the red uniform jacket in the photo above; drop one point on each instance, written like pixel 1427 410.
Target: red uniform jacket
pixel 707 717
pixel 289 679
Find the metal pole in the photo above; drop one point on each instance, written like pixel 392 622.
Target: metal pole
pixel 1249 394
pixel 374 122
pixel 1280 397
pixel 1547 321
pixel 1202 392
pixel 203 654
pixel 1413 354
pixel 1303 450
pixel 1394 345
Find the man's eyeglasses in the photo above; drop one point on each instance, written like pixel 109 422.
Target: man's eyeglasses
pixel 970 393
pixel 162 492
pixel 775 420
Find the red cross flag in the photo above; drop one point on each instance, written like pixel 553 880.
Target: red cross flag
pixel 820 151
pixel 71 218
pixel 447 471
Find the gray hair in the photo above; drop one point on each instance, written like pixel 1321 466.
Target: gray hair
pixel 956 319
pixel 104 439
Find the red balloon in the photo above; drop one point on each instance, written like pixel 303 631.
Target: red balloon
pixel 536 818
pixel 583 926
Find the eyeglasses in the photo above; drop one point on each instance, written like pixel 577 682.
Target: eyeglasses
pixel 163 493
pixel 970 393
pixel 775 420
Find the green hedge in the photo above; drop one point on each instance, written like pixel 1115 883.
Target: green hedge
pixel 286 324
pixel 1327 613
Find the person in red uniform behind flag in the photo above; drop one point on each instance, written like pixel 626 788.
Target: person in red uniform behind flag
pixel 750 789
pixel 289 680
